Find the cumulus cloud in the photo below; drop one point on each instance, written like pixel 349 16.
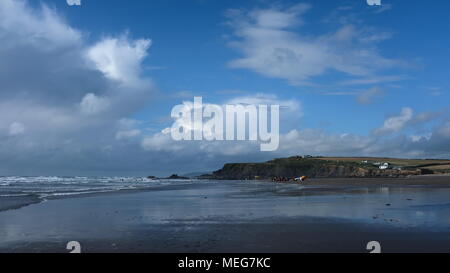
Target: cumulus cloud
pixel 308 141
pixel 92 104
pixel 290 112
pixel 63 99
pixel 396 123
pixel 382 142
pixel 162 142
pixel 406 119
pixel 21 23
pixel 319 142
pixel 271 45
pixel 120 59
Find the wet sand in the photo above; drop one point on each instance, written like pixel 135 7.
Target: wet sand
pixel 16 202
pixel 331 215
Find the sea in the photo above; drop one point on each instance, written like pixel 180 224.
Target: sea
pixel 18 191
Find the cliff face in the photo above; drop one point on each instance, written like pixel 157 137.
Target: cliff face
pixel 298 167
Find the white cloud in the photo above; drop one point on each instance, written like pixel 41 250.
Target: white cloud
pixel 270 46
pixel 276 19
pixel 319 142
pixel 309 141
pixel 21 23
pixel 291 112
pixel 396 123
pixel 92 104
pixel 293 106
pixel 407 119
pixel 419 138
pixel 162 142
pixel 65 96
pixel 120 59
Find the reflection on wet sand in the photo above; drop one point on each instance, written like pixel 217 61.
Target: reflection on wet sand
pixel 219 215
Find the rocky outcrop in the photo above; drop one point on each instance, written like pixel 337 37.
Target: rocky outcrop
pixel 176 176
pixel 295 167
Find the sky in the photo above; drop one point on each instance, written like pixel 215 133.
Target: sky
pixel 87 87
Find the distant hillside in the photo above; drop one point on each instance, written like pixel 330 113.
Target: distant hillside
pixel 394 161
pixel 195 174
pixel 330 167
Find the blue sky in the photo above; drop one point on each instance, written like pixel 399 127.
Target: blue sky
pixel 190 53
pixel 368 80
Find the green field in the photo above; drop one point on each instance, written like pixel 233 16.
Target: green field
pixel 393 161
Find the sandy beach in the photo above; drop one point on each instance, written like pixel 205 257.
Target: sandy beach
pixel 323 215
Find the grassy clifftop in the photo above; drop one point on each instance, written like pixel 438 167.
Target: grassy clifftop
pixel 330 167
